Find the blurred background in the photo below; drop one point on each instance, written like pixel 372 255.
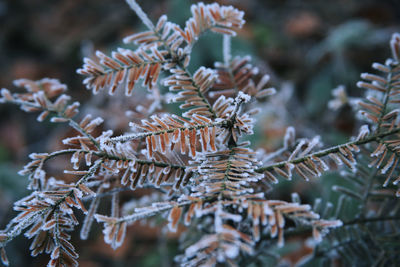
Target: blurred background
pixel 308 47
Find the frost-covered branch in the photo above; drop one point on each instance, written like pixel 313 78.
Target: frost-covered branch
pixel 39 206
pixel 328 151
pixel 38 100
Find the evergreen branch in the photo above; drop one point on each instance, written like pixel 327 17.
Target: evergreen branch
pixel 228 170
pixel 13 231
pixel 298 231
pixel 125 67
pixel 321 252
pixel 131 65
pixel 115 228
pixel 135 136
pixel 147 162
pixel 60 114
pixel 104 155
pixel 200 93
pixel 325 152
pixel 181 62
pixel 151 211
pixel 219 185
pixel 76 126
pixel 92 170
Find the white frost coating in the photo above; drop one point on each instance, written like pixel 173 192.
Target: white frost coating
pixel 314 142
pixel 340 98
pixel 226 48
pixel 336 158
pixel 380 67
pixel 375 83
pixel 393 113
pixel 78 192
pixel 387 167
pixel 203 243
pixel 38 155
pixel 364 132
pixel 230 216
pixel 62 100
pixel 218 220
pixel 6 95
pixel 364 75
pixel 84 233
pixel 140 13
pixel 394 44
pixel 242 97
pixel 264 80
pixel 339 91
pixel 231 251
pixel 379 151
pixel 295 197
pixel 95 122
pixel 75 158
pixel 266 92
pixel 289 136
pixel 360 84
pixel 325 166
pixel 39 174
pixel 297 149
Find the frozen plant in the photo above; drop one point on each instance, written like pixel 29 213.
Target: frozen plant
pixel 204 176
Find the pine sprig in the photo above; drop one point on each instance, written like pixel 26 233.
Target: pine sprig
pixel 165 132
pixel 38 97
pixel 192 90
pixel 44 211
pixel 239 75
pixel 123 69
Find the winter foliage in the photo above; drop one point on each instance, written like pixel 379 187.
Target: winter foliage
pixel 204 173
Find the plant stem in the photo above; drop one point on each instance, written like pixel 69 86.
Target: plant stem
pixel 102 154
pixel 328 151
pixel 129 137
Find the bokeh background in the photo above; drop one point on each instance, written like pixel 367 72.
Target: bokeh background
pixel 308 48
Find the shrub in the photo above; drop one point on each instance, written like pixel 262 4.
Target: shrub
pixel 197 162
